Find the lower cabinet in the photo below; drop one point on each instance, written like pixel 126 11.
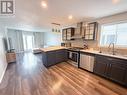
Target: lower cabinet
pixel 53 57
pixel 118 70
pixel 100 66
pixel 125 78
pixel 61 55
pixel 111 68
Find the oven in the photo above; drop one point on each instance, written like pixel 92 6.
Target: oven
pixel 73 56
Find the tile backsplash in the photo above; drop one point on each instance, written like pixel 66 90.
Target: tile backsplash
pixel 94 45
pixel 80 43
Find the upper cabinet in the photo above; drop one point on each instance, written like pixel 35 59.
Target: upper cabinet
pixel 86 31
pixel 68 33
pixel 64 34
pixel 90 30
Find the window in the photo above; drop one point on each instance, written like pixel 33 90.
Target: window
pixel 115 33
pixel 28 41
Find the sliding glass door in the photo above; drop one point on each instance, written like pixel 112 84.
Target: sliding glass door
pixel 28 41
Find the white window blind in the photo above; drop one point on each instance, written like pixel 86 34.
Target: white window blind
pixel 115 33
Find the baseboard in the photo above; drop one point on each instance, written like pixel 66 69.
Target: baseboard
pixel 3 74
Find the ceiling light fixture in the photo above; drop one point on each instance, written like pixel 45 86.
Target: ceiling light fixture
pixel 44 4
pixel 70 17
pixel 115 1
pixel 56 27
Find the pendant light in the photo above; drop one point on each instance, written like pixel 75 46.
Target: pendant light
pixel 56 27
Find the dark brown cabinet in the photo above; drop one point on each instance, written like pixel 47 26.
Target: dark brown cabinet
pixel 117 70
pixel 68 33
pixel 117 73
pixel 61 55
pixel 64 34
pixel 125 78
pixel 90 31
pixel 53 57
pixel 100 66
pixel 111 68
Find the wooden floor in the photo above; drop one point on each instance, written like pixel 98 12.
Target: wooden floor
pixel 29 77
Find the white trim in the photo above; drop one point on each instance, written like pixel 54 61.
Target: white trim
pixel 3 73
pixel 112 23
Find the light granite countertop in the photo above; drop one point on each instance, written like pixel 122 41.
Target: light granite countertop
pixel 105 54
pixel 52 48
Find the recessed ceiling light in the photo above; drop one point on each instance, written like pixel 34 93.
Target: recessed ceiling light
pixel 115 1
pixel 44 4
pixel 70 17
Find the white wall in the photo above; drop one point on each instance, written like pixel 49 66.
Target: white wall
pixel 52 39
pixel 3 63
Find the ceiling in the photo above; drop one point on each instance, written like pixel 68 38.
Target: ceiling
pixel 29 14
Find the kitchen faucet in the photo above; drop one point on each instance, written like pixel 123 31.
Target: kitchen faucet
pixel 113 48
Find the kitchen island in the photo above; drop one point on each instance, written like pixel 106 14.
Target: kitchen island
pixel 54 55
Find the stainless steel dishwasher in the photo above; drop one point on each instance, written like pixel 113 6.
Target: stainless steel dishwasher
pixel 86 62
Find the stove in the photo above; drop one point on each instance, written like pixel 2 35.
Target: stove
pixel 75 48
pixel 73 55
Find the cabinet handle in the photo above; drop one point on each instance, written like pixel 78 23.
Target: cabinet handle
pixel 109 59
pixel 110 65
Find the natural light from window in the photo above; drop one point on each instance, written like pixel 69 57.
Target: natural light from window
pixel 114 33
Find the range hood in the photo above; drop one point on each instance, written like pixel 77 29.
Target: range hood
pixel 78 31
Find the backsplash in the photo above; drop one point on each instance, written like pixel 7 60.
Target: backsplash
pixel 80 43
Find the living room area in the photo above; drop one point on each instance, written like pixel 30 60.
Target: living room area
pixel 30 41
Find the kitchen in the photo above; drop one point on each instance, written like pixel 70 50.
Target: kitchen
pixel 106 61
pixel 83 56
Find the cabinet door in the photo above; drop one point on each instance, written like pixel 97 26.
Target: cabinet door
pixel 90 31
pixel 101 66
pixel 65 55
pixel 64 34
pixel 125 80
pixel 51 58
pixel 61 56
pixel 117 70
pixel 69 34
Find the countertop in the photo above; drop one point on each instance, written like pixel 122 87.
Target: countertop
pixel 52 48
pixel 105 54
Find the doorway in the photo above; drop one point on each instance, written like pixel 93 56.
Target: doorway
pixel 28 42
